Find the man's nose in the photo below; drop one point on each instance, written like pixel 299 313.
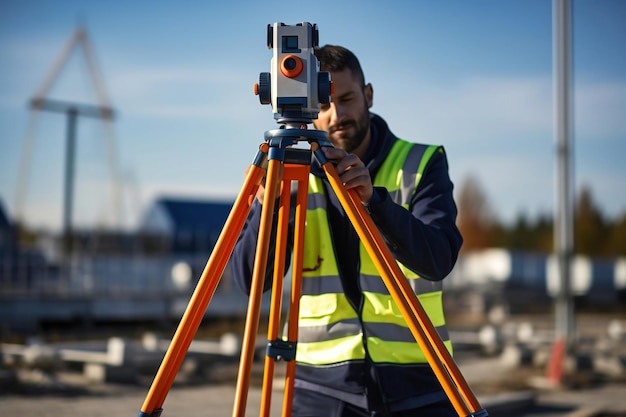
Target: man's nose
pixel 336 113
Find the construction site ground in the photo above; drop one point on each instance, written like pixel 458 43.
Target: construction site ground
pixel 505 384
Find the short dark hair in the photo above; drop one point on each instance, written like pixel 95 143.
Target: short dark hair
pixel 334 58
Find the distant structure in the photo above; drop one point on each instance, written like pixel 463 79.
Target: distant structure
pixel 183 225
pixel 102 110
pixel 523 282
pixel 6 231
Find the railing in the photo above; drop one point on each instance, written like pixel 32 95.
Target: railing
pixel 101 276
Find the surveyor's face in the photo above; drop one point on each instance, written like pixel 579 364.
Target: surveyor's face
pixel 346 118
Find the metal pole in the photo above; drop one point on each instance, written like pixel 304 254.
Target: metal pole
pixel 70 152
pixel 72 110
pixel 563 236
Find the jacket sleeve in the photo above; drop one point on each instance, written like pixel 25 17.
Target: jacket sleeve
pixel 424 238
pixel 242 259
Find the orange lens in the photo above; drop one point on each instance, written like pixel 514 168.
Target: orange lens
pixel 291 66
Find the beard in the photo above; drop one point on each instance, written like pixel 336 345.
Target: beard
pixel 350 139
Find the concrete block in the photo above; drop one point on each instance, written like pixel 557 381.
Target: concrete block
pixel 516 355
pixel 102 373
pixel 508 403
pixel 541 357
pixel 574 363
pixel 610 365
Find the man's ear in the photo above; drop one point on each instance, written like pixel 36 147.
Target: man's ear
pixel 369 95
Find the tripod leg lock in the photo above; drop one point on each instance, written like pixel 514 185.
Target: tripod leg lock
pixel 281 350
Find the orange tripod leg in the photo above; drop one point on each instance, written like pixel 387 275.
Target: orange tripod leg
pixel 422 329
pixel 202 295
pixel 256 290
pixel 277 292
pixel 280 349
pixel 296 284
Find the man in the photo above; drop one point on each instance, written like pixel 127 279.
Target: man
pixel 355 353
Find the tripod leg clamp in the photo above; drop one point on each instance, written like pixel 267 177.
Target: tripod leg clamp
pixel 281 350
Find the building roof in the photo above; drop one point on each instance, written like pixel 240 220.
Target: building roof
pixel 205 215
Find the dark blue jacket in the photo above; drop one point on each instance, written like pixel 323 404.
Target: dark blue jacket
pixel 424 238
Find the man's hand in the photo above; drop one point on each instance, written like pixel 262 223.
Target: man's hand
pixel 352 172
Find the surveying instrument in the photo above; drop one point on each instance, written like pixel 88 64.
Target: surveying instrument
pixel 296 89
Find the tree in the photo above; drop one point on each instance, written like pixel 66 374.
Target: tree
pixel 616 239
pixel 590 229
pixel 475 220
pixel 527 234
pixel 593 234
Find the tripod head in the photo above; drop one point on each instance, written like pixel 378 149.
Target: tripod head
pixel 294 87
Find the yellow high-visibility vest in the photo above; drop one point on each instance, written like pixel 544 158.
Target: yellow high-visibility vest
pixel 330 330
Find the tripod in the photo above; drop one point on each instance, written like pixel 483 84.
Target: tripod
pixel 285 165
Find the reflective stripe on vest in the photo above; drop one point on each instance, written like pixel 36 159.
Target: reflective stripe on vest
pixel 330 330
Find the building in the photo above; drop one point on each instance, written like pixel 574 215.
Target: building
pixel 183 225
pixel 6 231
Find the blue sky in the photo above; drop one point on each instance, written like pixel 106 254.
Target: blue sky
pixel 475 76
